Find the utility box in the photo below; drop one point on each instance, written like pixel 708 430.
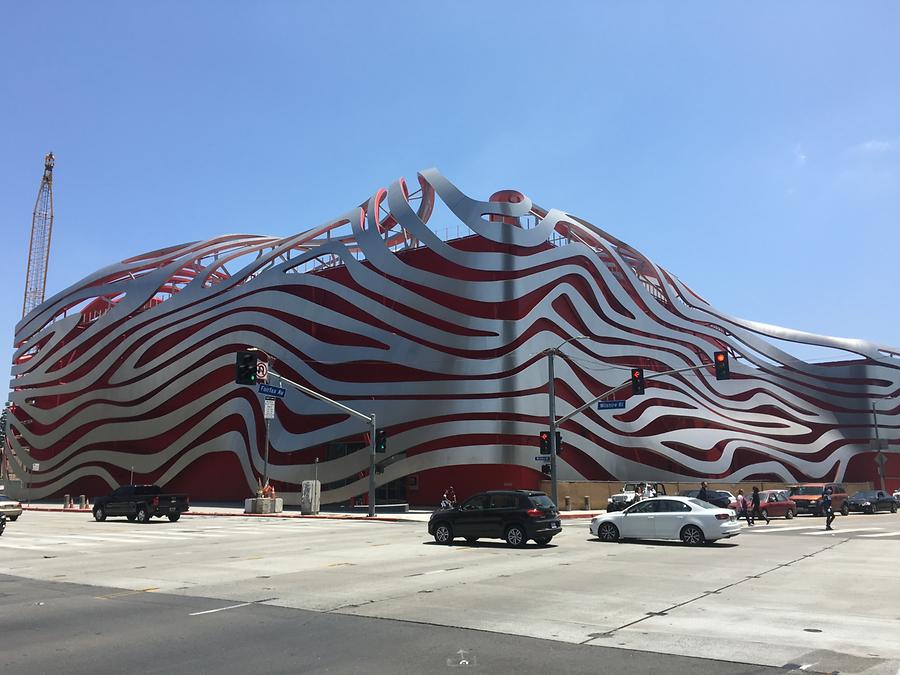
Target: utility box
pixel 310 494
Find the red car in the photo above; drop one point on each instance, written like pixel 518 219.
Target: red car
pixel 772 504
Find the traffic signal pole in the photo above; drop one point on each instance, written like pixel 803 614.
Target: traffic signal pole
pixel 551 390
pixel 369 419
pixel 625 384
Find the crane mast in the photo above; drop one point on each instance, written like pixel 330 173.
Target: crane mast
pixel 39 248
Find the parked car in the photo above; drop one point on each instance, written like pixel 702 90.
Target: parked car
pixel 808 497
pixel 10 507
pixel 691 520
pixel 720 498
pixel 772 504
pixel 872 501
pixel 140 503
pixel 625 498
pixel 897 494
pixel 513 515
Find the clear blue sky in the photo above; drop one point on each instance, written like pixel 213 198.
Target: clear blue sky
pixel 770 128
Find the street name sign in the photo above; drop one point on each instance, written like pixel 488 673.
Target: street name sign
pixel 610 405
pixel 269 390
pixel 542 458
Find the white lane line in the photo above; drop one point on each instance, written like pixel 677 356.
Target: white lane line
pixel 838 531
pixel 882 534
pixel 763 528
pixel 220 609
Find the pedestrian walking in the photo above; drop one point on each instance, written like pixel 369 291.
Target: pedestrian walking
pixel 743 511
pixel 754 500
pixel 703 495
pixel 827 508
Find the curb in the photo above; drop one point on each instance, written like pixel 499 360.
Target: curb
pixel 388 519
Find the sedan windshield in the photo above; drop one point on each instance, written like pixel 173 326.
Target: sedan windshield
pixel 862 494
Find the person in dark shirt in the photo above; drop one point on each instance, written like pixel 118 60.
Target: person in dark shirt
pixel 827 508
pixel 703 495
pixel 754 501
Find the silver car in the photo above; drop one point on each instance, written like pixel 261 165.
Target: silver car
pixel 10 508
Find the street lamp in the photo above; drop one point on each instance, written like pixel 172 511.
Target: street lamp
pixel 551 392
pixel 880 459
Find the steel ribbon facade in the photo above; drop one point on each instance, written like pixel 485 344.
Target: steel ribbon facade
pixel 132 368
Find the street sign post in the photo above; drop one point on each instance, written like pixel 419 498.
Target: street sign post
pixel 610 405
pixel 269 390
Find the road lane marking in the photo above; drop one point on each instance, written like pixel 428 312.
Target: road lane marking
pixel 220 609
pixel 842 531
pixel 882 534
pixel 781 529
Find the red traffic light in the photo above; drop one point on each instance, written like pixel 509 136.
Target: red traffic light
pixel 723 372
pixel 637 381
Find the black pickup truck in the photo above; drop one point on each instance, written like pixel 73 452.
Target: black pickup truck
pixel 140 503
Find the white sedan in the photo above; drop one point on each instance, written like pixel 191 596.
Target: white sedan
pixel 691 520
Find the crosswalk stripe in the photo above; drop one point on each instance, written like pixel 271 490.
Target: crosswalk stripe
pixel 843 531
pixel 882 534
pixel 762 528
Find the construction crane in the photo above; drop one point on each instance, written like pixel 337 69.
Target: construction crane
pixel 39 248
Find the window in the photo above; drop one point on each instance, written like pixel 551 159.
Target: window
pixel 504 501
pixel 671 506
pixel 644 507
pixel 476 503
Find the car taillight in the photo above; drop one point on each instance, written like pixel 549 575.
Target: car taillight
pixel 535 513
pixel 156 501
pixel 723 516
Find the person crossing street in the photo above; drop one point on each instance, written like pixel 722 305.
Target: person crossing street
pixel 754 501
pixel 827 508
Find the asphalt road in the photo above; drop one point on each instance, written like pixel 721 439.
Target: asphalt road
pixel 362 596
pixel 72 629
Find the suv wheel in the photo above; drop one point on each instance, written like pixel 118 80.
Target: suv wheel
pixel 845 510
pixel 443 533
pixel 893 508
pixel 789 514
pixel 692 535
pixel 515 535
pixel 142 515
pixel 99 514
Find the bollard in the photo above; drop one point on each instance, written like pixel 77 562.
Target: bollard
pixel 587 502
pixel 82 500
pixel 568 501
pixel 67 501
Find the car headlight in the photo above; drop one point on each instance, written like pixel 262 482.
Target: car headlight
pixel 814 502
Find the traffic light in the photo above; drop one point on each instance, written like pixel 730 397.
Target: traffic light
pixel 245 368
pixel 545 442
pixel 722 370
pixel 637 381
pixel 381 441
pixel 558 442
pixel 545 469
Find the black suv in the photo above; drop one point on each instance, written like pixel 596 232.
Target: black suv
pixel 513 515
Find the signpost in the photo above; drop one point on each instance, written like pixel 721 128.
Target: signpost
pixel 269 390
pixel 611 405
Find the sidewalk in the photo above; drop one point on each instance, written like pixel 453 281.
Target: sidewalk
pixel 207 509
